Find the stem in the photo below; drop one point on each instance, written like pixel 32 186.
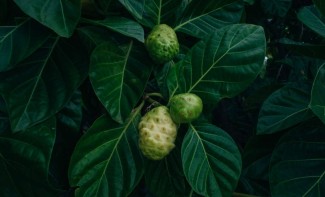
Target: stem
pixel 155 94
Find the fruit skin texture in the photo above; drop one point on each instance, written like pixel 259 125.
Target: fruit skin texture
pixel 185 108
pixel 162 43
pixel 157 133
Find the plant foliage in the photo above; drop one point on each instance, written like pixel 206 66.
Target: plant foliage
pixel 76 78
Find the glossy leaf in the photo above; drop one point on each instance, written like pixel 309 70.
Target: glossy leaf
pixel 201 19
pixel 221 66
pixel 20 41
pixel 311 17
pixel 298 164
pixel 43 83
pixel 121 25
pixel 151 13
pixel 106 160
pixel 320 5
pixel 119 76
pixel 285 108
pixel 276 7
pixel 317 102
pixel 167 173
pixel 211 160
pixel 61 16
pixel 24 161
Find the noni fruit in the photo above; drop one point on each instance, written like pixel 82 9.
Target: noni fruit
pixel 157 133
pixel 185 108
pixel 162 44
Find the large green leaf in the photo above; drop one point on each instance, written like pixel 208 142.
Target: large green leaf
pixel 24 161
pixel 276 7
pixel 298 162
pixel 119 76
pixel 61 16
pixel 154 12
pixel 106 160
pixel 20 41
pixel 311 17
pixel 121 25
pixel 222 65
pixel 317 102
pixel 42 84
pixel 200 19
pixel 211 160
pixel 167 173
pixel 320 5
pixel 285 108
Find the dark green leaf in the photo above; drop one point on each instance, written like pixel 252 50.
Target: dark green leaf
pixel 298 164
pixel 311 17
pixel 201 19
pixel 221 66
pixel 7 188
pixel 320 5
pixel 67 135
pixel 211 160
pixel 18 42
pixel 285 108
pixel 91 36
pixel 250 2
pixel 154 12
pixel 106 160
pixel 103 5
pixel 43 83
pixel 70 116
pixel 317 102
pixel 61 16
pixel 121 25
pixel 167 173
pixel 276 7
pixel 311 50
pixel 119 76
pixel 24 161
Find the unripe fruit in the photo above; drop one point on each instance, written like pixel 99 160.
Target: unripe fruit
pixel 162 43
pixel 157 133
pixel 185 108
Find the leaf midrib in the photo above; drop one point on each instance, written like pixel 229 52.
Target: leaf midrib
pixel 197 17
pixel 219 59
pixel 39 76
pixel 136 112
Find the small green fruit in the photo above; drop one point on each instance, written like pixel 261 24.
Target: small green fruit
pixel 162 43
pixel 157 133
pixel 185 108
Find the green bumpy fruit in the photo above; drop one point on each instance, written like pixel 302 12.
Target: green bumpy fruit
pixel 162 43
pixel 185 108
pixel 157 133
